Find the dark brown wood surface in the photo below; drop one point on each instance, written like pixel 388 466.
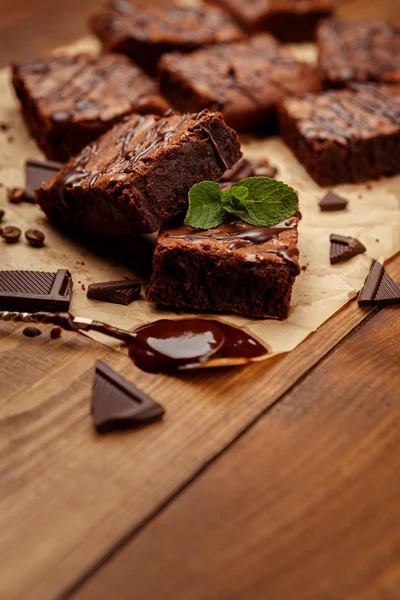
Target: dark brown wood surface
pixel 305 506
pixel 302 505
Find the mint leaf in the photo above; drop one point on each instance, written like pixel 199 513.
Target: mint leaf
pixel 268 201
pixel 205 209
pixel 237 192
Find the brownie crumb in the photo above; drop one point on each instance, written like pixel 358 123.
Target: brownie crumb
pixel 55 333
pixel 4 127
pixel 83 287
pixel 369 186
pixel 304 267
pixel 377 240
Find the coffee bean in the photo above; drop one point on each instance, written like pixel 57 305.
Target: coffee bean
pixel 1 215
pixel 11 234
pixel 16 195
pixel 31 332
pixel 35 237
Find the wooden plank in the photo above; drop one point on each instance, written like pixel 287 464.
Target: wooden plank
pixel 68 497
pixel 304 506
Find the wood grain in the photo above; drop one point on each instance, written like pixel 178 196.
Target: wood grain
pixel 304 507
pixel 69 498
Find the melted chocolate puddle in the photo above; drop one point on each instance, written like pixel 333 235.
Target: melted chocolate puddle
pixel 167 345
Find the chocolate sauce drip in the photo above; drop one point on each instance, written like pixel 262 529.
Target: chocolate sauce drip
pixel 216 149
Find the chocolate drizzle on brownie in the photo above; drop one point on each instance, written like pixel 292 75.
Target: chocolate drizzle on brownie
pixel 124 160
pixel 358 51
pixel 337 114
pixel 237 235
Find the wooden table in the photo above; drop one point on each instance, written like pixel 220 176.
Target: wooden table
pixel 278 481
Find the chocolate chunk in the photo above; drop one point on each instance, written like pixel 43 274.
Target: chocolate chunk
pixel 55 333
pixel 11 234
pixel 1 215
pixel 34 237
pixel 332 202
pixel 343 248
pixel 379 287
pixel 248 167
pixel 31 332
pixel 118 404
pixel 116 292
pixel 30 291
pixel 36 172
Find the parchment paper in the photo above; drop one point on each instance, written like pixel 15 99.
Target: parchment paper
pixel 373 217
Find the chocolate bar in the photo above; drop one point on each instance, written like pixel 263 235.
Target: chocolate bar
pixel 31 291
pixel 118 404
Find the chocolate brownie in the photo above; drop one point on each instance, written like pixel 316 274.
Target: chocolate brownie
pixel 288 20
pixel 138 175
pixel 146 31
pixel 235 267
pixel 358 51
pixel 345 136
pixel 69 101
pixel 245 80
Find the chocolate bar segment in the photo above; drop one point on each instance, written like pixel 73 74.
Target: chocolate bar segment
pixel 343 248
pixel 118 404
pixel 31 291
pixel 379 287
pixel 332 202
pixel 36 172
pixel 117 292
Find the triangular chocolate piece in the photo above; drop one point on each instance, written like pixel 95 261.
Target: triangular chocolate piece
pixel 344 248
pixel 332 202
pixel 117 292
pixel 379 287
pixel 118 404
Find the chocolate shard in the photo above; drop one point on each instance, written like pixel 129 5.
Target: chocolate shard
pixel 118 404
pixel 32 291
pixel 117 292
pixel 379 287
pixel 36 172
pixel 247 167
pixel 343 248
pixel 332 202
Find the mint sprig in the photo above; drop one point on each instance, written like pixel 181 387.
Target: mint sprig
pixel 258 201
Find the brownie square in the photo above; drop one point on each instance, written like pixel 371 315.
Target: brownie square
pixel 245 80
pixel 146 31
pixel 289 20
pixel 69 101
pixel 345 136
pixel 235 267
pixel 358 51
pixel 138 175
